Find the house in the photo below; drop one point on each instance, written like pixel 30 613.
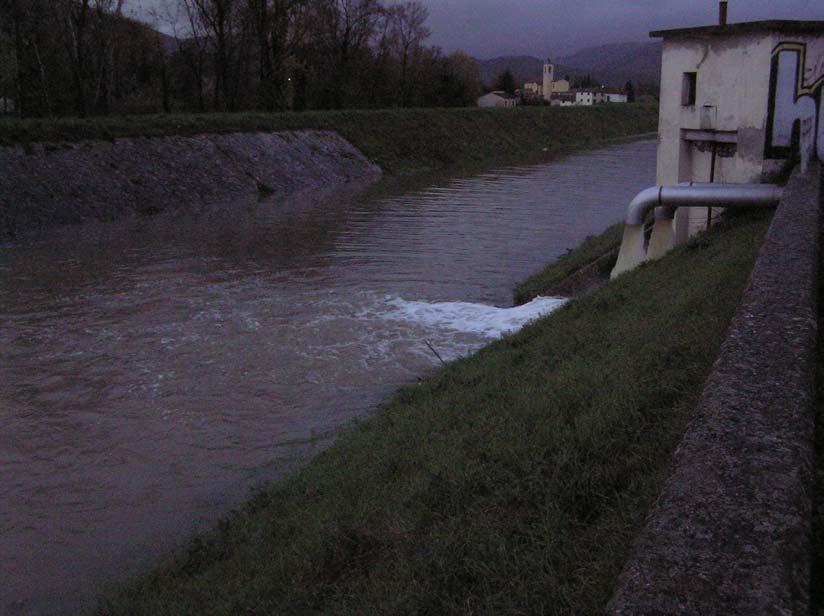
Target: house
pixel 615 96
pixel 498 99
pixel 584 97
pixel 563 99
pixel 739 104
pixel 532 92
pixel 546 90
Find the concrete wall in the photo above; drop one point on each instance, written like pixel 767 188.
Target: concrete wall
pixel 51 184
pixel 731 531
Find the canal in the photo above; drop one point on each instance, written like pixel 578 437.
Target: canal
pixel 154 371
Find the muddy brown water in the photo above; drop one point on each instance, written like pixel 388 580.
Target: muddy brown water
pixel 154 371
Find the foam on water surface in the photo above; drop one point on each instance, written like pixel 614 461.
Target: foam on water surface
pixel 464 317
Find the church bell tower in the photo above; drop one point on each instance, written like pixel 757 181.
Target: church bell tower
pixel 549 77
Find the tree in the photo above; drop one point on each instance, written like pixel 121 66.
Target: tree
pixel 408 31
pixel 350 24
pixel 506 82
pixel 460 81
pixel 218 19
pixel 630 91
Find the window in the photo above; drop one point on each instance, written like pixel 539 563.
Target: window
pixel 688 89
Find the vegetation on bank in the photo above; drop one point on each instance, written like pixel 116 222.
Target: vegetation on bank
pixel 595 251
pixel 399 140
pixel 513 481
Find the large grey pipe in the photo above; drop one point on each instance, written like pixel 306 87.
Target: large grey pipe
pixel 665 200
pixel 701 195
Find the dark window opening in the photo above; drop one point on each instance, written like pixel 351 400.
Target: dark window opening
pixel 688 89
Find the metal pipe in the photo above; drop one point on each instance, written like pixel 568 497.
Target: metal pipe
pixel 722 13
pixel 700 195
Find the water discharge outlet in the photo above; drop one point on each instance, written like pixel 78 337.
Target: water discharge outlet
pixel 665 200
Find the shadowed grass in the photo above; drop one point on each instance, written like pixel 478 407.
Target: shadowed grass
pixel 399 140
pixel 592 249
pixel 511 482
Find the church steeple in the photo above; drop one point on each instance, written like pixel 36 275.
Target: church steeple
pixel 549 78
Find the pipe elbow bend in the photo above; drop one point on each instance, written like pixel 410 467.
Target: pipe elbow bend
pixel 641 205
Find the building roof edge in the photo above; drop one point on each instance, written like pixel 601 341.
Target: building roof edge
pixel 747 27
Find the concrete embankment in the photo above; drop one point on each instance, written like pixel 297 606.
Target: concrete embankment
pixel 48 184
pixel 731 530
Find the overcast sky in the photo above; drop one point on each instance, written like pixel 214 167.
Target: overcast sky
pixel 489 28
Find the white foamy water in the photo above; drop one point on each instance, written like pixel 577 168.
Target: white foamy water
pixel 464 317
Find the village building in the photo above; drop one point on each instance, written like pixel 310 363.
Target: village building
pixel 585 97
pixel 534 91
pixel 499 99
pixel 563 99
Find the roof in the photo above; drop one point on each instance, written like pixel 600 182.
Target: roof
pixel 501 94
pixel 747 27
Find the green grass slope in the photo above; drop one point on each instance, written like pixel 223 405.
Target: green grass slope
pixel 591 250
pixel 511 482
pixel 399 140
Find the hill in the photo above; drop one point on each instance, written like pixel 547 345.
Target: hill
pixel 616 64
pixel 613 64
pixel 524 68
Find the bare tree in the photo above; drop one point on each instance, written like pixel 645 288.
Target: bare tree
pixel 279 27
pixel 352 24
pixel 408 23
pixel 181 17
pixel 218 18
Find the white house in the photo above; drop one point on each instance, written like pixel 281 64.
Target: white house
pixel 584 97
pixel 563 99
pixel 735 100
pixel 498 99
pixel 739 102
pixel 533 88
pixel 615 96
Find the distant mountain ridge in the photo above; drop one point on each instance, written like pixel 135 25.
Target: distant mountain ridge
pixel 612 65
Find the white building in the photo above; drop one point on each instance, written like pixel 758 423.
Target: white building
pixel 615 96
pixel 498 99
pixel 735 101
pixel 584 97
pixel 534 88
pixel 563 99
pixel 739 103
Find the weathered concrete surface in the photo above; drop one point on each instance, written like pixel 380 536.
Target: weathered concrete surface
pixel 730 533
pixel 51 184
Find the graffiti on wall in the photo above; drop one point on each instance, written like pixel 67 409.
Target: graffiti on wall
pixel 796 113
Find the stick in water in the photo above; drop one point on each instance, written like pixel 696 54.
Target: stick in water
pixel 438 355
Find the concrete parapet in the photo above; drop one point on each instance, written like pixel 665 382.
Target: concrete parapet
pixel 730 532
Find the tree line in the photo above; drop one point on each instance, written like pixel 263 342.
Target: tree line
pixel 87 57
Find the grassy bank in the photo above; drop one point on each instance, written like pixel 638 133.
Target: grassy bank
pixel 400 141
pixel 594 253
pixel 511 482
